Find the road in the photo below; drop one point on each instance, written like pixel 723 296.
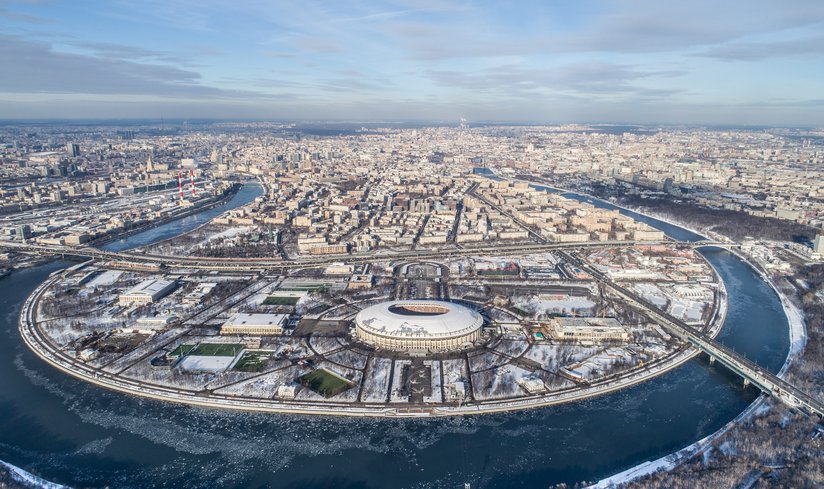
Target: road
pixel 750 371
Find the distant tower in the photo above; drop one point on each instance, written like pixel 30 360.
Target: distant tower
pixel 149 164
pixel 464 124
pixel 180 184
pixel 192 175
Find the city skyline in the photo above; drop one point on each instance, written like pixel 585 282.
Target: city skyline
pixel 636 62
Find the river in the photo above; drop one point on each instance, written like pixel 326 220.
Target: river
pixel 74 433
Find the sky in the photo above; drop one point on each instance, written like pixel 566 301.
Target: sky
pixel 747 62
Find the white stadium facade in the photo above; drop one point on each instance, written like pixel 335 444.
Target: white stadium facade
pixel 418 325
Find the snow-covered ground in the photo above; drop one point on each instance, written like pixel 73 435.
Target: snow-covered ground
pixel 264 386
pixel 511 348
pixel 376 382
pixel 228 233
pixel 106 278
pixel 540 308
pixel 397 375
pixel 484 360
pixel 499 383
pixel 435 368
pixel 552 357
pixel 348 358
pixel 30 480
pixel 599 364
pixel 454 370
pixel 324 344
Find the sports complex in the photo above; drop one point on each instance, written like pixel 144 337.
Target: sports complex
pixel 419 325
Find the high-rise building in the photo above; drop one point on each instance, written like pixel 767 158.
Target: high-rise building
pixel 818 245
pixel 73 149
pixel 23 232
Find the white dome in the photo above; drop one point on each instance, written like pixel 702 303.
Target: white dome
pixel 391 324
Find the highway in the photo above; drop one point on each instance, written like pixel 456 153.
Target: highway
pixel 750 371
pixel 257 264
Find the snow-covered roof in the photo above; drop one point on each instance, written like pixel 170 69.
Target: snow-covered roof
pixel 419 319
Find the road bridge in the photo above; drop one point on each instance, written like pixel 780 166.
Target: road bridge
pixel 751 372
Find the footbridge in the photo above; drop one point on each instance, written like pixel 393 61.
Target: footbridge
pixel 751 372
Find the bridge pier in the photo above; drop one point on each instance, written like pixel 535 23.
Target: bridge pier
pixel 712 359
pixel 746 382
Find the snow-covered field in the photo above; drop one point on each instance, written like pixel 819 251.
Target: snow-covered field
pixel 454 370
pixel 484 360
pixel 348 358
pixel 264 386
pixel 376 382
pixel 553 357
pixel 324 344
pixel 498 383
pixel 106 278
pixel 511 348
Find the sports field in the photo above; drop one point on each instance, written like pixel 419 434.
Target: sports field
pixel 325 382
pixel 217 349
pixel 180 350
pixel 280 301
pixel 253 361
pixel 306 288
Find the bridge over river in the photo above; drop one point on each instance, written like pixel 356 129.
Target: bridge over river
pixel 750 371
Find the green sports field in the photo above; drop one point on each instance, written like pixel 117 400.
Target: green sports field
pixel 217 349
pixel 306 288
pixel 181 350
pixel 280 301
pixel 325 382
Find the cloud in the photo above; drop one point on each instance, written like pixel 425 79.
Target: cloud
pixel 123 52
pixel 757 51
pixel 33 67
pixel 22 17
pixel 587 79
pixel 637 26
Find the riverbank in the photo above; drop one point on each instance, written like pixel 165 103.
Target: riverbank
pixel 219 200
pixel 798 339
pixel 13 477
pixel 796 333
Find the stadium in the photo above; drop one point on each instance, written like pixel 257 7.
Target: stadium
pixel 418 325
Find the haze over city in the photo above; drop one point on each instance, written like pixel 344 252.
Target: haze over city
pixel 738 62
